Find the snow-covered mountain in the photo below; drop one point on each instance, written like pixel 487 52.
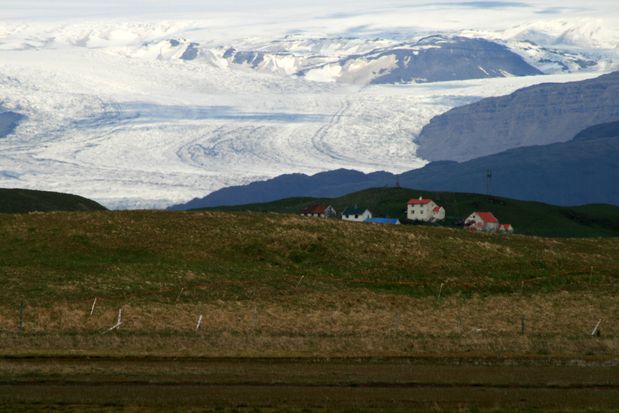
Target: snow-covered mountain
pixel 359 61
pixel 148 114
pixel 431 59
pixel 353 61
pixel 556 46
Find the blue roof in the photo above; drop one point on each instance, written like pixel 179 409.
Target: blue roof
pixel 390 221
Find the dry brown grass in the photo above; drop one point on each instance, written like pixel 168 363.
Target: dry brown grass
pixel 328 324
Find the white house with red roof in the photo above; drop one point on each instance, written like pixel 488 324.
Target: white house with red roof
pixel 482 221
pixel 319 211
pixel 424 209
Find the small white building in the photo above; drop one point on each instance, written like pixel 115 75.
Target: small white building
pixel 425 210
pixel 319 211
pixel 506 228
pixel 482 221
pixel 356 214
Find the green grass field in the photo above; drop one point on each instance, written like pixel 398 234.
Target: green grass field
pixel 531 218
pixel 75 256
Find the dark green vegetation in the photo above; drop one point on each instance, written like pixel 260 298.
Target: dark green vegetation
pixel 25 200
pixel 531 218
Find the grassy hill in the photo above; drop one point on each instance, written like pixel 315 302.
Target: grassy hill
pixel 136 254
pixel 25 200
pixel 530 218
pixel 284 285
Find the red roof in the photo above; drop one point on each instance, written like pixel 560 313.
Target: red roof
pixel 316 209
pixel 487 217
pixel 436 209
pixel 505 226
pixel 421 201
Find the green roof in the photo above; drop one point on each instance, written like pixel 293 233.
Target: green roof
pixel 354 211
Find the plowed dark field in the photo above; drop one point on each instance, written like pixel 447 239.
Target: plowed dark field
pixel 392 384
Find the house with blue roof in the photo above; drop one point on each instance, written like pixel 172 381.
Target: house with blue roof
pixel 384 221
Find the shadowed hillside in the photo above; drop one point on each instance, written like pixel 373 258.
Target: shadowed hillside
pixel 25 200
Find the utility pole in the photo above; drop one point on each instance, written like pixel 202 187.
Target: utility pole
pixel 488 182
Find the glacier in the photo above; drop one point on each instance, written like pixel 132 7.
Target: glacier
pixel 148 114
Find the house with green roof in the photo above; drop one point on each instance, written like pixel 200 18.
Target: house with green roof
pixel 356 214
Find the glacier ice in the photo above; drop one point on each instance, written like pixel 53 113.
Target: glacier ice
pixel 144 115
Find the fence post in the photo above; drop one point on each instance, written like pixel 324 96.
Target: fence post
pixel 440 291
pixel 254 320
pixel 22 308
pixel 596 329
pixel 179 294
pixel 119 322
pixel 396 322
pixel 92 309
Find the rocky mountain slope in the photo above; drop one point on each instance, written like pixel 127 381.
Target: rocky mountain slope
pixel 537 115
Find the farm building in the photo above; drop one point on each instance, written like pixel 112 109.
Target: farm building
pixel 506 228
pixel 385 221
pixel 319 211
pixel 482 221
pixel 425 210
pixel 356 214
